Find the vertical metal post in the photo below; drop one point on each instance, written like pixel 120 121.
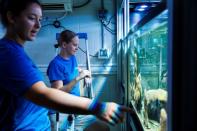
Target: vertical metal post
pixel 89 85
pixel 102 27
pixel 90 91
pixel 57 121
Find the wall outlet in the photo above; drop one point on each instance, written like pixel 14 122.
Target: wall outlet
pixel 103 54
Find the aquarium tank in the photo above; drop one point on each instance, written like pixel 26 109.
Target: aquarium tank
pixel 147 72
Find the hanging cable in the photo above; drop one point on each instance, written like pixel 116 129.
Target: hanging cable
pixel 82 5
pixel 46 18
pixel 55 24
pixel 107 28
pixel 85 52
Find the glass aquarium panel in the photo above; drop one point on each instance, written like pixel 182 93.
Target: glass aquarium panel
pixel 148 73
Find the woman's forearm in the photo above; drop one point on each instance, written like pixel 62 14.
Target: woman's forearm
pixel 66 103
pixel 57 100
pixel 68 87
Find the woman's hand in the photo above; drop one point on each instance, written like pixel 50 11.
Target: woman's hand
pixel 109 112
pixel 83 74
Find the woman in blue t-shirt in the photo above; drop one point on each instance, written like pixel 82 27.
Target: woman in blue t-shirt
pixel 64 74
pixel 24 96
pixel 63 71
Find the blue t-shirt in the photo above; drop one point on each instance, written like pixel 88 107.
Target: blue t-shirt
pixel 65 70
pixel 17 75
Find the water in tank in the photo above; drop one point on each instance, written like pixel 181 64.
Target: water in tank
pixel 148 73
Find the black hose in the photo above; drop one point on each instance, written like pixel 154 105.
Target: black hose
pixel 82 5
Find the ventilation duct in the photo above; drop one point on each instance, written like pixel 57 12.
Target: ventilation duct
pixel 57 5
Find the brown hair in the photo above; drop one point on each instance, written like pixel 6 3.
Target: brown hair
pixel 65 36
pixel 15 7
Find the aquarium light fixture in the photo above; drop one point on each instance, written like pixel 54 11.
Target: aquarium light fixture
pixel 141 7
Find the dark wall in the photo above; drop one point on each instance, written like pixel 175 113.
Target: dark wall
pixel 183 67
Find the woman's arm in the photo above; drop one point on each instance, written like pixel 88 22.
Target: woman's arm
pixel 58 84
pixel 56 99
pixel 67 103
